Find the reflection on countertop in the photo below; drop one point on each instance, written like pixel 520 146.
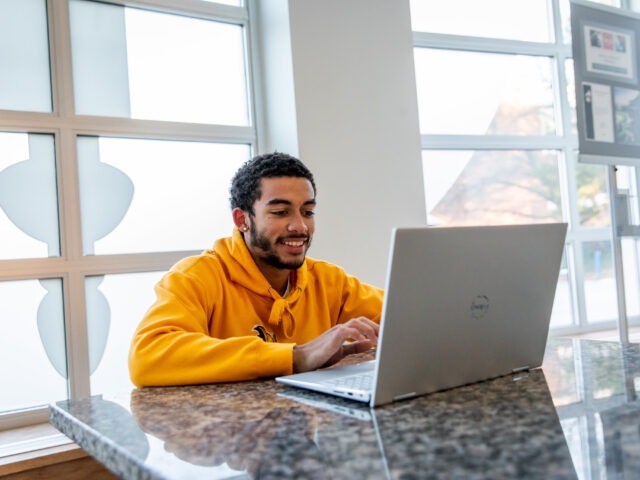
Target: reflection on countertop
pixel 577 417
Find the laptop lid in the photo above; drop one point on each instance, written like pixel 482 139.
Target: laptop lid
pixel 461 305
pixel 465 304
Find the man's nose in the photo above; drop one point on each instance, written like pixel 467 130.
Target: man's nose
pixel 297 224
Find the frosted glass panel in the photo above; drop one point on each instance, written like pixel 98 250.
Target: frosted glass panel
pixel 141 64
pixel 24 56
pixel 491 187
pixel 32 345
pixel 519 20
pixel 28 196
pixel 99 56
pixel 148 195
pixel 116 304
pixel 468 93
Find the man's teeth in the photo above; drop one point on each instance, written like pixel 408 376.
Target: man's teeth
pixel 292 243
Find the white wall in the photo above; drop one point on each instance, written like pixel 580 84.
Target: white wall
pixel 339 92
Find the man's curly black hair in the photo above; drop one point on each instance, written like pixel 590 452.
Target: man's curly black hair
pixel 245 186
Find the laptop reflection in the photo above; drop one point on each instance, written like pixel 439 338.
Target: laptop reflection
pixel 503 428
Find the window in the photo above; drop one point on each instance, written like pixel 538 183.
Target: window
pixel 120 129
pixel 499 143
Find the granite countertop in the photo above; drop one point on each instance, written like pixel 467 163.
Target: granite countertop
pixel 577 417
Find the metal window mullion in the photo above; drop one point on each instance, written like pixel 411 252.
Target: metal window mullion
pixel 252 68
pixel 126 127
pixel 581 302
pixel 556 20
pixel 33 122
pixel 576 330
pixel 593 234
pixel 155 129
pixel 76 339
pixel 191 8
pixel 68 191
pixel 571 142
pixel 55 267
pixel 61 65
pixel 492 142
pixel 567 193
pixel 574 294
pixel 568 199
pixel 76 334
pixel 257 105
pixel 561 95
pixel 76 325
pixel 487 45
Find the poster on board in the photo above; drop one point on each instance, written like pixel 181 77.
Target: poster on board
pixel 609 51
pixel 605 53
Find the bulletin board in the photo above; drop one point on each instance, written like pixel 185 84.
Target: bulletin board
pixel 605 52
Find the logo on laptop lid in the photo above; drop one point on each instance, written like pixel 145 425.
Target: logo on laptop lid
pixel 479 307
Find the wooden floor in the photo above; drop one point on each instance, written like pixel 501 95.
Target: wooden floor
pixel 79 469
pixel 57 461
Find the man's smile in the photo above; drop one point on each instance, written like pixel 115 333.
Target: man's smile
pixel 294 243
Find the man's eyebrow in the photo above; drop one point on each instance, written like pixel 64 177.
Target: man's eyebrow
pixel 283 201
pixel 278 201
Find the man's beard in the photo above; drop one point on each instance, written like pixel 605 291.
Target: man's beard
pixel 269 255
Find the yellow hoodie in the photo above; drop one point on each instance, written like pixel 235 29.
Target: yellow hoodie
pixel 216 318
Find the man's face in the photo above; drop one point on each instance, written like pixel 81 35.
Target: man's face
pixel 282 226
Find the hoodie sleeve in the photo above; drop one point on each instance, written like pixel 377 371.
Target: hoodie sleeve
pixel 360 300
pixel 172 345
pixel 352 297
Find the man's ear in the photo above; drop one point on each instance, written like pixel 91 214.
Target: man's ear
pixel 240 219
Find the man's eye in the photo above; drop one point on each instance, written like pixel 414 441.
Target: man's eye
pixel 279 212
pixel 309 213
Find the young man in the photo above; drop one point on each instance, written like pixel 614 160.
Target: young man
pixel 255 306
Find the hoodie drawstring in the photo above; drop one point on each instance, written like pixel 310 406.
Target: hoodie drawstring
pixel 281 311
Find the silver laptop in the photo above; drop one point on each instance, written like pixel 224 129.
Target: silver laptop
pixel 461 305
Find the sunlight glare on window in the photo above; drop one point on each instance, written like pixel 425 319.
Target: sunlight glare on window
pixel 509 94
pixel 179 195
pixel 508 19
pixel 129 62
pixel 185 69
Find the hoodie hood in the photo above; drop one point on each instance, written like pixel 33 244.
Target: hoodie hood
pixel 243 270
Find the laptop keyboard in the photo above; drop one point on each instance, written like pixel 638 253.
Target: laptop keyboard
pixel 361 381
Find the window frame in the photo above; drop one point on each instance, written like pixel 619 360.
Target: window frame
pixel 565 142
pixel 72 267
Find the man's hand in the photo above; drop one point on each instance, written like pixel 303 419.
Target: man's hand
pixel 356 336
